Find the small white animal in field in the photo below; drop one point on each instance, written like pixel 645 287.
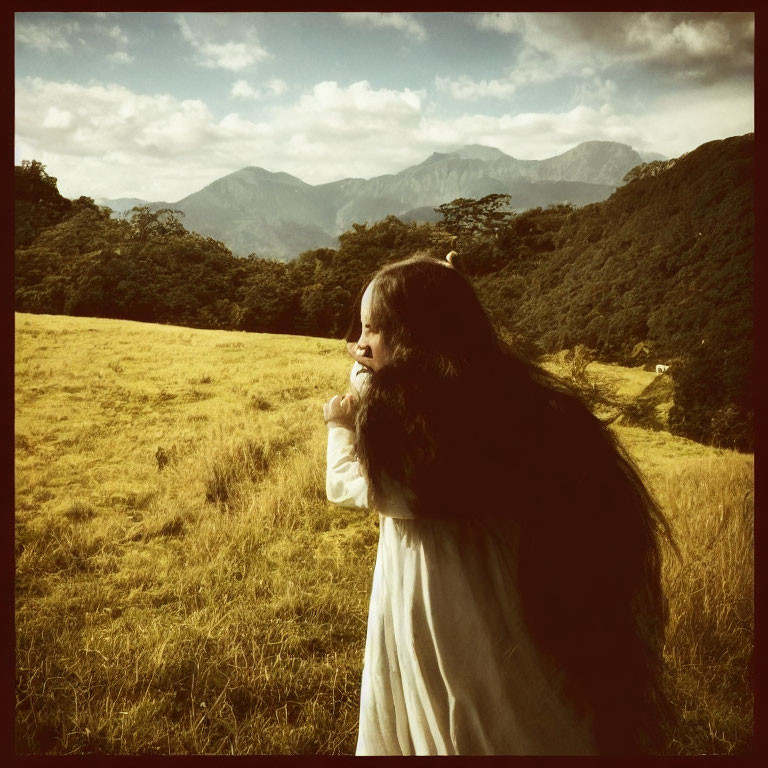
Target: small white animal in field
pixel 662 368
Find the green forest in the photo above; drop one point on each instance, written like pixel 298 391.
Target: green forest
pixel 660 272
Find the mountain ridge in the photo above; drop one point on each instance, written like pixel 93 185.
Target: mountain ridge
pixel 275 214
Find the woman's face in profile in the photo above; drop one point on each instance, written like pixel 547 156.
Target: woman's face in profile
pixel 370 343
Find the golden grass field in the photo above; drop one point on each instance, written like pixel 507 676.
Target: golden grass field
pixel 205 598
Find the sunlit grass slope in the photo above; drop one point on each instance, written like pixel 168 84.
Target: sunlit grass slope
pixel 183 586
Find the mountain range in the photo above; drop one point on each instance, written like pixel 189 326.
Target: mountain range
pixel 277 215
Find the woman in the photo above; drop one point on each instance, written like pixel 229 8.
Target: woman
pixel 516 605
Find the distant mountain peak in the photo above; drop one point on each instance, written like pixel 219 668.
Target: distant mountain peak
pixel 433 158
pixel 467 152
pixel 257 172
pixel 479 152
pixel 649 157
pixel 589 147
pixel 601 143
pixel 254 210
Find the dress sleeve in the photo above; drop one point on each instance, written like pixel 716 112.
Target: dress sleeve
pixel 344 481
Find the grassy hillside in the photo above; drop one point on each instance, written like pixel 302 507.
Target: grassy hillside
pixel 183 586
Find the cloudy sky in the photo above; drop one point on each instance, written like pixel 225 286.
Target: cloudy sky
pixel 157 105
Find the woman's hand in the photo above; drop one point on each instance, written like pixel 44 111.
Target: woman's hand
pixel 340 411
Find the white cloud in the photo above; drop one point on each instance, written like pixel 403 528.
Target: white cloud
pixel 466 89
pixel 277 86
pixel 506 23
pixel 141 142
pixel 45 36
pixel 532 67
pixel 157 147
pixel 530 136
pixel 242 90
pixel 117 34
pixel 595 90
pixel 121 57
pixel 402 22
pixel 234 56
pixel 687 46
pixel 89 31
pixel 682 121
pixel 104 118
pixel 673 125
pixel 229 54
pixel 328 120
pixel 57 118
pixel 360 99
pixel 106 141
pixel 655 36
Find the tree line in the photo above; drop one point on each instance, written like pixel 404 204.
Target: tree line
pixel 659 272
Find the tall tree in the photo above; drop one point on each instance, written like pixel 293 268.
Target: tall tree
pixel 465 216
pixel 37 202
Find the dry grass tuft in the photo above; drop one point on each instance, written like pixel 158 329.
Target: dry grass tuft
pixel 711 589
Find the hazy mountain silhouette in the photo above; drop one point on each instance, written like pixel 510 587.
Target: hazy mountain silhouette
pixel 278 215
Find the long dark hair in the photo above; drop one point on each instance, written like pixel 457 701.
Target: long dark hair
pixel 477 434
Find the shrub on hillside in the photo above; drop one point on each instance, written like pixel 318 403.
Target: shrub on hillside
pixel 713 401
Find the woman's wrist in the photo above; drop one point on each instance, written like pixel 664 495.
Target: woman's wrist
pixel 340 425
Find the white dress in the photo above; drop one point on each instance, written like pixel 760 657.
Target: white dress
pixel 449 668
